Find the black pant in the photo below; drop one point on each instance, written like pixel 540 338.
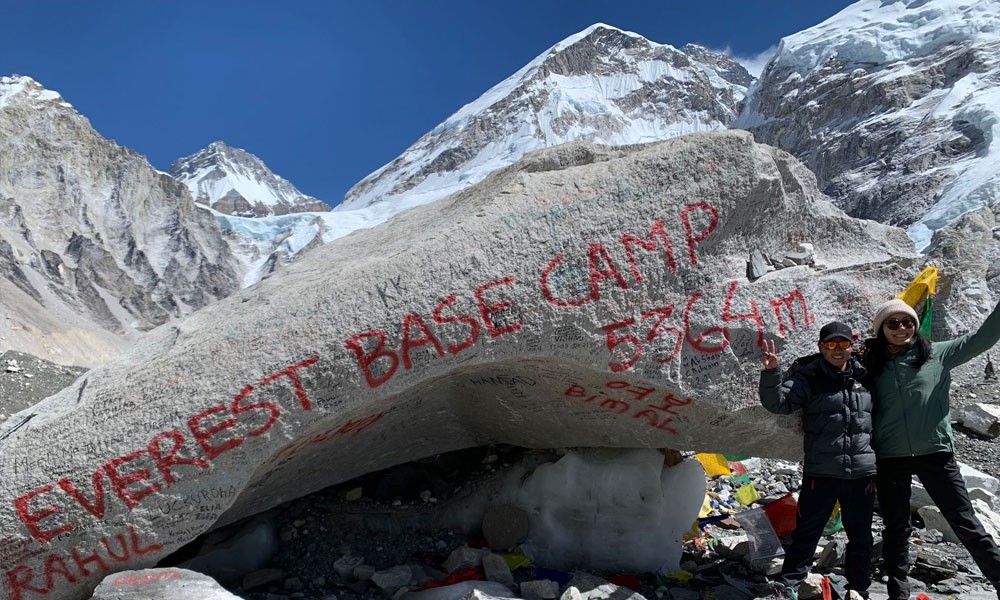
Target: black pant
pixel 816 501
pixel 941 477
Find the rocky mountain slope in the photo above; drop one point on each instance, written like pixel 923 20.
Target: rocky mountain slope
pixel 894 106
pixel 95 244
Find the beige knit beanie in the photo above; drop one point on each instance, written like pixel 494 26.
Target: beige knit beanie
pixel 889 308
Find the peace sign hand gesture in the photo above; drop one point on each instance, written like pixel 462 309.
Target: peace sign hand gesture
pixel 770 355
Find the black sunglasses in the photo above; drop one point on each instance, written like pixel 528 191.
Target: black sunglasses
pixel 894 324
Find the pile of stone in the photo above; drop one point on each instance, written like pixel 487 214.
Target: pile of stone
pixel 761 264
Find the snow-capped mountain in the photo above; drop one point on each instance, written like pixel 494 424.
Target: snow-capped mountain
pixel 602 85
pixel 894 105
pixel 235 182
pixel 95 244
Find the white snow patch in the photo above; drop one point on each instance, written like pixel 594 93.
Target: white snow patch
pixel 880 32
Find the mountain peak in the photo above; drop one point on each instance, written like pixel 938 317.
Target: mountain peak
pixel 601 85
pixel 21 86
pixel 235 182
pixel 593 48
pixel 894 106
pixel 597 31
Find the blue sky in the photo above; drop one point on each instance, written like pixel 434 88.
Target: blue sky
pixel 327 91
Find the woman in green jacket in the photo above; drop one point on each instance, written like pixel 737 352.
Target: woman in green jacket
pixel 912 434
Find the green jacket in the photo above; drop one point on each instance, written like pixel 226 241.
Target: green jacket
pixel 912 412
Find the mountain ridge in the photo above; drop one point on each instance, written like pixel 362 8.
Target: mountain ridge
pixel 98 245
pixel 554 99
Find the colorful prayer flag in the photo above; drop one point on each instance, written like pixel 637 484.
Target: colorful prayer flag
pixel 924 284
pixel 714 464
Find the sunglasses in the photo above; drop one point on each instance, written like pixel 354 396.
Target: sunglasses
pixel 894 324
pixel 842 344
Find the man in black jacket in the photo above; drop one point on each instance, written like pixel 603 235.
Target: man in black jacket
pixel 831 390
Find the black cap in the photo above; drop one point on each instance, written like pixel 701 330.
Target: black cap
pixel 834 330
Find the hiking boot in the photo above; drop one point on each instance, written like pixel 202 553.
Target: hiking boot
pixel 780 591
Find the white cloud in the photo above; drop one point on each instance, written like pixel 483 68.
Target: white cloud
pixel 755 64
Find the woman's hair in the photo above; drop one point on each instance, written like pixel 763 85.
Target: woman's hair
pixel 876 352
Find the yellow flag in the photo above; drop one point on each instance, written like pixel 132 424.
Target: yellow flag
pixel 516 561
pixel 681 576
pixel 714 464
pixel 747 495
pixel 706 507
pixel 924 283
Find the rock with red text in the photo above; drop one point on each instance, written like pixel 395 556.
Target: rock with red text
pixel 161 584
pixel 584 297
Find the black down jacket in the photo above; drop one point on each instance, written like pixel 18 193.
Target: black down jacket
pixel 836 414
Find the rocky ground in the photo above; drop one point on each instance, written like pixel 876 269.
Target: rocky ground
pixel 394 524
pixel 25 380
pixel 318 535
pixel 387 521
pixel 977 451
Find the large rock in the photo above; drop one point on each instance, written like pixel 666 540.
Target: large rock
pixel 934 519
pixel 983 419
pixel 584 297
pixel 980 485
pixel 161 584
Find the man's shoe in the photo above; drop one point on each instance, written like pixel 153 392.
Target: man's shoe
pixel 780 591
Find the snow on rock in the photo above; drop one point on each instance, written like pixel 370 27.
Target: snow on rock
pixel 600 85
pixel 264 243
pixel 19 85
pixel 880 32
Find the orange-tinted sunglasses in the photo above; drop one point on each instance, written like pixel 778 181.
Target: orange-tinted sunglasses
pixel 842 344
